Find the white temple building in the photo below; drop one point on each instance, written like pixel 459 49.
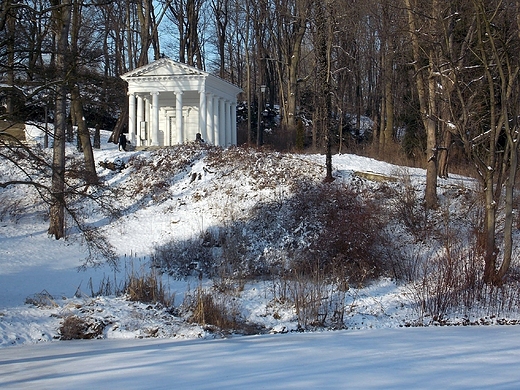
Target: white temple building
pixel 169 103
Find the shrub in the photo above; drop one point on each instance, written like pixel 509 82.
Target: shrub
pixel 341 232
pixel 184 258
pixel 407 207
pixel 74 327
pixel 328 225
pixel 146 287
pixel 208 310
pixel 43 299
pixel 446 276
pixel 217 311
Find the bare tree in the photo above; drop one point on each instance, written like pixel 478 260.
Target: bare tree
pixel 77 103
pixel 62 10
pixel 425 66
pixel 480 106
pixel 387 80
pixel 9 21
pixel 261 25
pixel 221 11
pixel 323 42
pixel 186 15
pixel 147 30
pixel 498 42
pixel 292 18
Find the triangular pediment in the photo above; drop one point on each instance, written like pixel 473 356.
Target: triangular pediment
pixel 168 75
pixel 163 67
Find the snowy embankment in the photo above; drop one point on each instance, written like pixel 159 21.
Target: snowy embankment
pixel 413 358
pixel 38 269
pixel 147 346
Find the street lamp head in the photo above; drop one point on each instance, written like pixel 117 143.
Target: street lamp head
pixel 263 88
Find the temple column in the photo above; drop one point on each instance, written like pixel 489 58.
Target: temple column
pixel 148 120
pixel 139 119
pixel 155 119
pixel 227 109
pixel 216 121
pixel 233 124
pixel 202 115
pixel 167 130
pixel 211 120
pixel 222 122
pixel 131 118
pixel 178 117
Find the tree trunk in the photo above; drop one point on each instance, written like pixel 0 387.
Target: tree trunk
pixel 513 140
pixel 430 196
pixel 323 42
pixel 10 46
pixel 77 113
pixel 261 70
pixel 426 95
pixel 490 254
pixel 381 129
pixel 62 17
pixel 293 60
pixel 444 154
pixel 389 101
pixel 220 8
pixel 84 137
pixel 248 76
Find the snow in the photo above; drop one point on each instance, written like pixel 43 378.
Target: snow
pixel 418 358
pixel 147 346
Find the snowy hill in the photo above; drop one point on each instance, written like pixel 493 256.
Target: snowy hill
pixel 185 208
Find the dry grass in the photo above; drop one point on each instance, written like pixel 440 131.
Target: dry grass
pixel 74 328
pixel 217 311
pixel 147 287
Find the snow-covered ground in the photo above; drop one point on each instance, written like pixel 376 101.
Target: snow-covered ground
pixel 147 347
pixel 413 358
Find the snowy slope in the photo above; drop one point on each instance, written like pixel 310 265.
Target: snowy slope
pixel 376 352
pixel 414 358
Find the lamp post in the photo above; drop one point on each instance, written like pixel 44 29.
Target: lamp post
pixel 260 132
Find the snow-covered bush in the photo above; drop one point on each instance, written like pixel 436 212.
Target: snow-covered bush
pixel 325 225
pixel 74 327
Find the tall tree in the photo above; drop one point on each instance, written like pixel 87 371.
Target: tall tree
pixel 261 28
pixel 424 48
pixel 481 95
pixel 323 43
pixel 61 15
pixel 498 44
pixel 186 15
pixel 77 103
pixel 387 80
pixel 221 10
pixel 292 18
pixel 8 20
pixel 147 30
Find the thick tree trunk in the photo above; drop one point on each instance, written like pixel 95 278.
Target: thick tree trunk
pixel 444 154
pixel 490 255
pixel 62 17
pixel 10 48
pixel 323 43
pixel 430 196
pixel 389 103
pixel 84 137
pixel 509 206
pixel 57 209
pixel 426 95
pixel 293 59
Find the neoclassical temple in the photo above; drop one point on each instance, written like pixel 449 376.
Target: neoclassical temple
pixel 170 103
